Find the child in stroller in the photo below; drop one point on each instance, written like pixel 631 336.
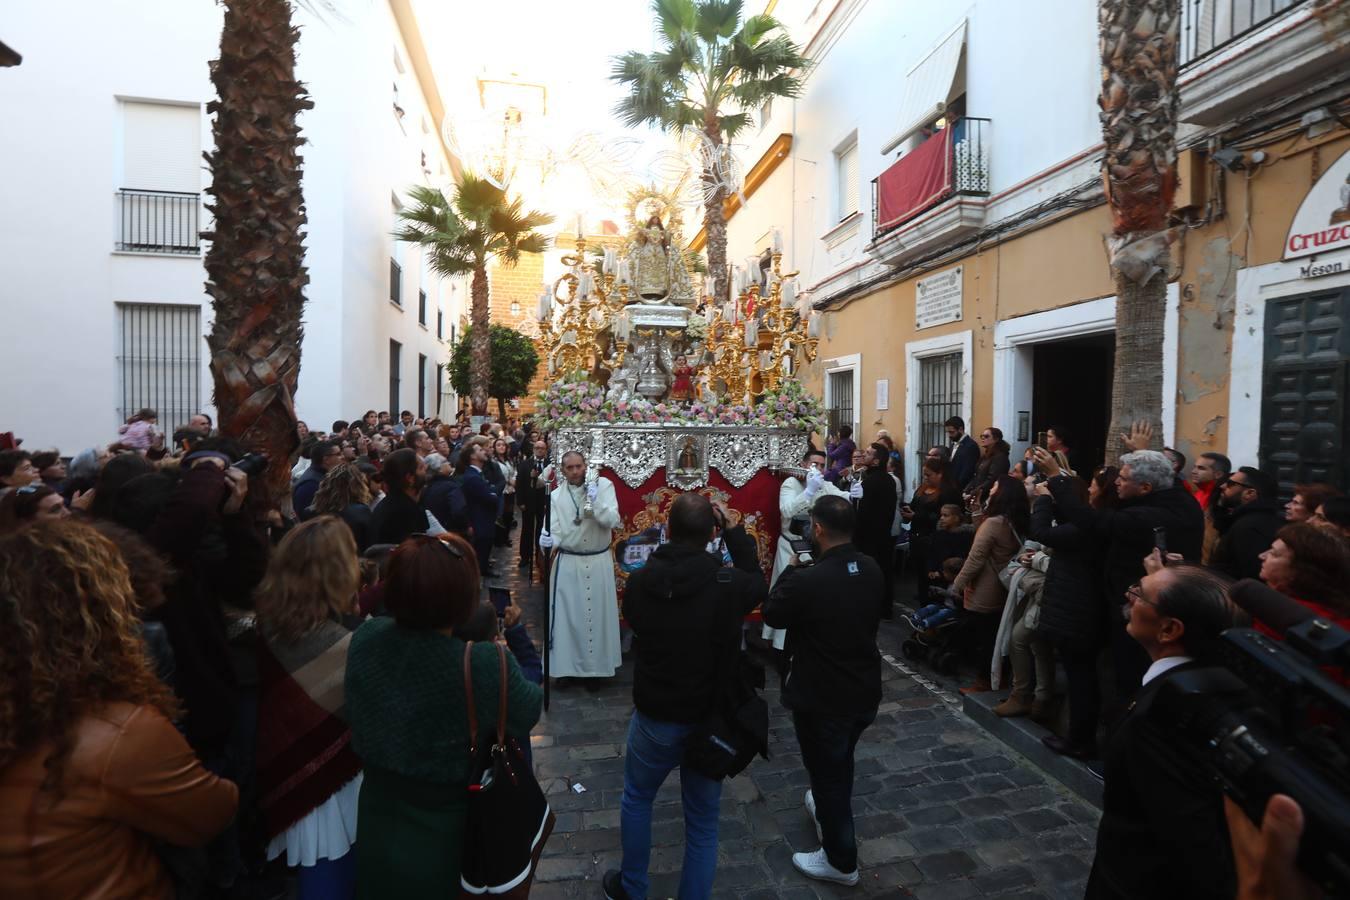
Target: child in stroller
pixel 935 624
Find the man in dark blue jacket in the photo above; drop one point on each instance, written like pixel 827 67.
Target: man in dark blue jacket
pixel 482 503
pixel 324 456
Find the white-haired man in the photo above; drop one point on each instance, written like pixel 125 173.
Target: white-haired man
pixel 583 601
pixel 1152 510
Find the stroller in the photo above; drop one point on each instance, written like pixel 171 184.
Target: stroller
pixel 937 646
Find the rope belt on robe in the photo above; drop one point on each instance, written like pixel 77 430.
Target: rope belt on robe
pixel 553 601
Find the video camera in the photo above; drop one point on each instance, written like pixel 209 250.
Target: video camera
pixel 798 534
pixel 1269 720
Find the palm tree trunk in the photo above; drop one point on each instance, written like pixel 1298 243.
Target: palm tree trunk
pixel 714 217
pixel 1138 44
pixel 480 348
pixel 255 264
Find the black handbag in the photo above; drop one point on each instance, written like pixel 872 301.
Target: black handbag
pixel 508 819
pixel 737 727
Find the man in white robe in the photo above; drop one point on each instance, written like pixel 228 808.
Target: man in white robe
pixel 795 498
pixel 583 601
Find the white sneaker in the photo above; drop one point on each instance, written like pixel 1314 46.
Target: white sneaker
pixel 816 865
pixel 811 808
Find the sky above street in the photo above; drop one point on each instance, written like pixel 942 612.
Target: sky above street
pixel 568 49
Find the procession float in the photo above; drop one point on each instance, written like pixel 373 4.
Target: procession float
pixel 665 391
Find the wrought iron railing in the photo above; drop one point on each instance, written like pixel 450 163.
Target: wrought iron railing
pixel 158 222
pixel 963 152
pixel 1207 25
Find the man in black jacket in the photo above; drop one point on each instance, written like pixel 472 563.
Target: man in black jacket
pixel 1162 833
pixel 400 513
pixel 685 610
pixel 876 513
pixel 833 685
pixel 530 497
pixel 1149 501
pixel 965 453
pixel 1254 515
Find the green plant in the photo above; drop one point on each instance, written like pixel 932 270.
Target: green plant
pixel 461 236
pixel 514 361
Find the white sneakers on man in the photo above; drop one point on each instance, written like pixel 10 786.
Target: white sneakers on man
pixel 816 865
pixel 811 808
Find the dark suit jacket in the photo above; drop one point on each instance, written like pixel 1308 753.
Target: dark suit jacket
pixel 876 513
pixel 482 500
pixel 965 460
pixel 1162 834
pixel 396 517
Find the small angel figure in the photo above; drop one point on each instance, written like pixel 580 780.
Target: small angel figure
pixel 683 386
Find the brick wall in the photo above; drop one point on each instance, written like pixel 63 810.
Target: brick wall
pixel 520 285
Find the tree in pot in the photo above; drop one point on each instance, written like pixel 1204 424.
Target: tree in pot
pixel 255 265
pixel 461 236
pixel 1138 44
pixel 710 72
pixel 514 362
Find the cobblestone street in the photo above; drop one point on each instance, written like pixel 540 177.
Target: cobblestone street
pixel 942 809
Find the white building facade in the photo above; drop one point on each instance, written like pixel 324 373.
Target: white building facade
pixel 101 274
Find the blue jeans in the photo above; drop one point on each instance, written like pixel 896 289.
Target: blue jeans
pixel 933 615
pixel 654 748
pixel 328 879
pixel 827 744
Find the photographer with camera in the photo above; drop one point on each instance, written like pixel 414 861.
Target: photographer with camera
pixel 685 610
pixel 831 608
pixel 1162 832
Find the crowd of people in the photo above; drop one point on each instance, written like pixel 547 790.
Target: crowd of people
pixel 1021 568
pixel 197 688
pixel 195 684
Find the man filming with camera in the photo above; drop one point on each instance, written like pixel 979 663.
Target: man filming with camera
pixel 830 602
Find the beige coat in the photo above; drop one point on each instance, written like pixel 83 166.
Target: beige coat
pixel 994 545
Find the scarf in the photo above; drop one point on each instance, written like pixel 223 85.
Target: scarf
pixel 304 744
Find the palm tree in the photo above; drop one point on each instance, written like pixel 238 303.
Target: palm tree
pixel 711 70
pixel 1139 122
pixel 255 264
pixel 480 225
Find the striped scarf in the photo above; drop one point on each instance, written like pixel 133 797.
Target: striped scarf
pixel 304 744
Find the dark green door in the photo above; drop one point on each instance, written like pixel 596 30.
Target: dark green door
pixel 1307 359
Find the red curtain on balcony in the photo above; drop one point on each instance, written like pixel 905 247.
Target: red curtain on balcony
pixel 916 181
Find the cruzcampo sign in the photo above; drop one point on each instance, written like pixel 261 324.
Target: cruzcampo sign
pixel 1322 222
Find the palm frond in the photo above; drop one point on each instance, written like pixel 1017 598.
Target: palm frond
pixel 733 123
pixel 717 19
pixel 675 16
pixel 476 197
pixel 756 27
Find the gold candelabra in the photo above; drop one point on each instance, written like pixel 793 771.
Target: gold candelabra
pixel 590 306
pixel 751 353
pixel 749 347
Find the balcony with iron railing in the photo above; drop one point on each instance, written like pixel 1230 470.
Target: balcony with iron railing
pixel 1236 55
pixel 158 222
pixel 925 197
pixel 1209 25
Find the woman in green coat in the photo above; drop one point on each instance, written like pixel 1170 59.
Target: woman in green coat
pixel 409 720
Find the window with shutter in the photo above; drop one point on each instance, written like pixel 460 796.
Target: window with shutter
pixel 161 147
pixel 846 168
